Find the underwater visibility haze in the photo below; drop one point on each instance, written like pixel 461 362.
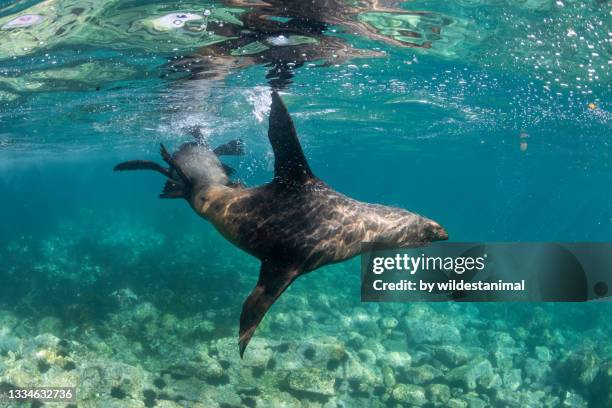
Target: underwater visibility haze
pixel 490 117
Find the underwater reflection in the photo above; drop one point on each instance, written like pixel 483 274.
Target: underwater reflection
pixel 285 35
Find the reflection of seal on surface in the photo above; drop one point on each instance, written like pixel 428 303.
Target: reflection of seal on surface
pixel 266 32
pixel 174 20
pixel 26 20
pixel 294 224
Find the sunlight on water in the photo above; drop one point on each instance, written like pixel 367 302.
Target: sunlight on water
pixel 553 53
pixel 492 116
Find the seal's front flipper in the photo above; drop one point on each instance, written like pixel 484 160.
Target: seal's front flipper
pixel 290 165
pixel 173 189
pixel 232 148
pixel 141 165
pixel 273 280
pixel 198 135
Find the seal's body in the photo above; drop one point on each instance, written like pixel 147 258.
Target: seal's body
pixel 311 225
pixel 294 224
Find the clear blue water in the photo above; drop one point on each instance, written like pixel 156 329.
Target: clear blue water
pixel 499 129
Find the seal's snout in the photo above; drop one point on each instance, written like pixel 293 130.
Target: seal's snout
pixel 435 232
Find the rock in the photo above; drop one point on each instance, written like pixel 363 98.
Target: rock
pixel 507 398
pixel 551 401
pixel 321 352
pixel 470 373
pixel 474 401
pixel 573 400
pixel 500 340
pixel 540 321
pixel 211 369
pixel 388 323
pixel 543 354
pixel 144 312
pixel 286 322
pixel 355 371
pixel 8 342
pixel 583 366
pixel 202 327
pixel 422 374
pixel 260 351
pixel 524 398
pixel 430 332
pixel 260 354
pixel 225 396
pixel 388 377
pixel 124 297
pixel 101 381
pixel 356 341
pixel 457 403
pixel 602 387
pixel 503 357
pixel 397 359
pixel 409 394
pixel 535 398
pixel 166 404
pixel 367 356
pixel 311 380
pixel 273 398
pixel 512 379
pixel 438 394
pixel 45 340
pixel 420 357
pixel 321 301
pixel 50 324
pixel 375 345
pixel 420 311
pixel 535 370
pixel 491 383
pixel 365 322
pixel 520 333
pixel 169 321
pixel 452 355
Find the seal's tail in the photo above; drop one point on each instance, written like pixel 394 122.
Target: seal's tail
pixel 178 184
pixel 142 165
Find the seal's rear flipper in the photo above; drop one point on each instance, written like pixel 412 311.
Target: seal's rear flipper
pixel 273 280
pixel 290 165
pixel 141 165
pixel 232 148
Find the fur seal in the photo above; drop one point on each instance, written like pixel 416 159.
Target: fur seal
pixel 294 224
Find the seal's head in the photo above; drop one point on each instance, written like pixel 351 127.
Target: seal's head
pixel 192 168
pixel 431 231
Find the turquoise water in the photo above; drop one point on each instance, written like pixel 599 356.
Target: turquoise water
pixel 490 117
